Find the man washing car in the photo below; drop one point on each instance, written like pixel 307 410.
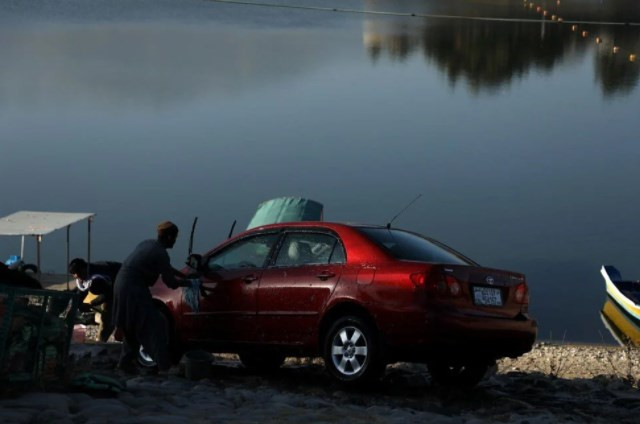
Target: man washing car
pixel 134 312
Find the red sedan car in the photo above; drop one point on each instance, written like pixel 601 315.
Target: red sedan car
pixel 359 296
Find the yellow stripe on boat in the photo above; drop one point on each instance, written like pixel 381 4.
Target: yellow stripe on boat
pixel 621 321
pixel 622 300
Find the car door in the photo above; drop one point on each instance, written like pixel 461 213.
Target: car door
pixel 295 288
pixel 228 302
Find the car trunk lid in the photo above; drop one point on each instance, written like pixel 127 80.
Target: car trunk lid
pixel 480 291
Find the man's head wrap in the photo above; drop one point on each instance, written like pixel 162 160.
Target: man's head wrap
pixel 167 227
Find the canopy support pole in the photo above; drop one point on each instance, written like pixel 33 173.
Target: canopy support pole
pixel 38 242
pixel 67 267
pixel 89 246
pixel 22 248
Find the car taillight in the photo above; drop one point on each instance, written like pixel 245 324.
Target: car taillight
pixel 418 279
pixel 522 293
pixel 453 285
pixel 443 285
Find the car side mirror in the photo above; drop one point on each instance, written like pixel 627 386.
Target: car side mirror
pixel 194 261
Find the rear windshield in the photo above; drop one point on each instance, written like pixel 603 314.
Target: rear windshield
pixel 411 247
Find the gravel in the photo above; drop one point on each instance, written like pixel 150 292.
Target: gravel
pixel 553 383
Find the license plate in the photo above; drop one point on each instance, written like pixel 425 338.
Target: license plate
pixel 487 296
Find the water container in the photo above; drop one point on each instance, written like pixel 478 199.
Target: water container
pixel 79 334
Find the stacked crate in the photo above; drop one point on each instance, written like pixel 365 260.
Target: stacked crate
pixel 35 333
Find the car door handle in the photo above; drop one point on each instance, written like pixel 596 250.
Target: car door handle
pixel 249 278
pixel 325 275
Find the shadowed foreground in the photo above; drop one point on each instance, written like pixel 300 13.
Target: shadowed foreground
pixel 550 384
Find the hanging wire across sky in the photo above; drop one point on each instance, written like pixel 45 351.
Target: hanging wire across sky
pixel 410 14
pixel 575 27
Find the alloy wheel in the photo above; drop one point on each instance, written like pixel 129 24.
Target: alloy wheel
pixel 349 350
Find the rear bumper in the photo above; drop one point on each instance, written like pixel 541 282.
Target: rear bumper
pixel 467 336
pixel 500 336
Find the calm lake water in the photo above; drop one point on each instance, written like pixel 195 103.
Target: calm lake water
pixel 521 136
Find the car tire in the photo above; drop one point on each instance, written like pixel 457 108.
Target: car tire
pixel 352 352
pixel 260 361
pixel 463 375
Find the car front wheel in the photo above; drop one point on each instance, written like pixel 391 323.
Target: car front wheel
pixel 351 351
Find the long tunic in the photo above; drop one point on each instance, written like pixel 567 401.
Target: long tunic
pixel 132 298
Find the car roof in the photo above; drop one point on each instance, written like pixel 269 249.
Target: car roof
pixel 366 250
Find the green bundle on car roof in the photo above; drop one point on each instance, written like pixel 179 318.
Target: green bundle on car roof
pixel 286 209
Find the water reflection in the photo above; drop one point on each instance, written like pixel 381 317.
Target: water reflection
pixel 614 71
pixel 243 103
pixel 491 54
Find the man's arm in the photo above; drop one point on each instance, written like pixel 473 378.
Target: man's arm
pixel 81 294
pixel 100 287
pixel 172 279
pixel 171 276
pixel 99 300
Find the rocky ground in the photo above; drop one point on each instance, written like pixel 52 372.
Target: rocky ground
pixel 553 383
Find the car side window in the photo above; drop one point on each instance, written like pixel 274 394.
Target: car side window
pixel 338 256
pixel 251 252
pixel 306 249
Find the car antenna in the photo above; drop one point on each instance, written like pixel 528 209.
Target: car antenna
pixel 405 208
pixel 232 227
pixel 193 228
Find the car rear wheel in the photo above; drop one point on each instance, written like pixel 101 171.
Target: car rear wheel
pixel 261 361
pixel 457 374
pixel 351 351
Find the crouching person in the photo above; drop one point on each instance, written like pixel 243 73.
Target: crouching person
pixel 137 318
pixel 96 278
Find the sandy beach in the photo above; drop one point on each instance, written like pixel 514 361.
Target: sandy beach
pixel 553 383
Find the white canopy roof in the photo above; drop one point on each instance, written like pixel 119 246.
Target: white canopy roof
pixel 29 223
